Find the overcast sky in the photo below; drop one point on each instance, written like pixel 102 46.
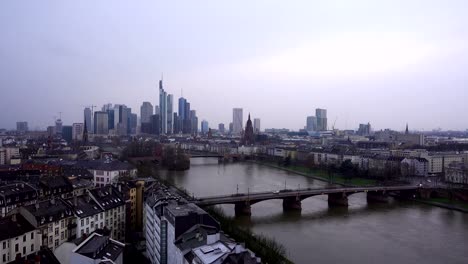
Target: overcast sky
pixel 383 62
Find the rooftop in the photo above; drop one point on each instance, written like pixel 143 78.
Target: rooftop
pixel 14 226
pixel 100 247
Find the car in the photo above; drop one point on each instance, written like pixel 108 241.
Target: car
pixel 275 192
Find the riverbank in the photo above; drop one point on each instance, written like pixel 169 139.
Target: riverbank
pixel 319 174
pixel 445 203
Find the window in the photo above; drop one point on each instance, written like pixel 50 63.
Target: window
pixel 32 235
pixel 87 230
pixel 56 231
pixel 24 238
pixel 24 250
pixel 87 220
pixel 50 228
pixel 62 235
pixel 32 247
pixel 4 257
pixel 16 247
pixel 4 245
pixel 51 240
pixel 62 223
pixel 56 242
pixel 82 222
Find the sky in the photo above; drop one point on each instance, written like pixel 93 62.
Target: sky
pixel 384 62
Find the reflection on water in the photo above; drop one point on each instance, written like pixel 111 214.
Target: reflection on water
pixel 397 232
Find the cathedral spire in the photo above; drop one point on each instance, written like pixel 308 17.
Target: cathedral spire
pixel 406 131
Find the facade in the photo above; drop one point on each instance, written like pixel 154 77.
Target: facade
pixel 98 249
pixel 15 195
pixel 321 115
pixel 22 127
pixel 256 125
pixel 87 119
pixel 162 108
pixel 101 123
pixel 457 173
pixel 107 172
pixel 89 216
pixel 18 238
pixel 414 167
pixel 77 131
pixel 146 111
pixel 311 123
pixel 237 117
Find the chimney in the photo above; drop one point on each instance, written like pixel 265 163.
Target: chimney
pixel 110 189
pixel 75 200
pixel 52 201
pixel 120 187
pixel 13 217
pixel 88 198
pixel 37 206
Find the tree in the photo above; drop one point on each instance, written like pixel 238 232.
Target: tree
pixel 287 161
pixel 348 169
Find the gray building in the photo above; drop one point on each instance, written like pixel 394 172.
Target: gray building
pixel 101 123
pixel 162 108
pixel 170 115
pixel 87 120
pixel 256 126
pixel 146 111
pixel 204 127
pixel 221 128
pixel 311 123
pixel 237 119
pixel 321 115
pixel 22 127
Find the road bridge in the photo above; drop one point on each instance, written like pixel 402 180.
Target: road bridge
pixel 337 196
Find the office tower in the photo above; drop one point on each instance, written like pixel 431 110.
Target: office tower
pixel 156 110
pixel 364 129
pixel 155 125
pixel 193 122
pixel 237 121
pixel 256 126
pixel 110 118
pixel 77 131
pixel 170 116
pixel 101 123
pixel 88 121
pixel 321 115
pixel 175 120
pixel 181 116
pixel 162 108
pixel 58 126
pixel 146 111
pixel 22 127
pixel 204 127
pixel 221 128
pixel 106 107
pixel 67 133
pixel 230 128
pixel 311 123
pixel 133 120
pixel 129 117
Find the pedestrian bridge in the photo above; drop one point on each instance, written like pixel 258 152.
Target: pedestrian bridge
pixel 337 196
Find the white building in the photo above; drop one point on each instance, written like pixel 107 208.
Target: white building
pixel 108 171
pixel 77 131
pixel 237 117
pixel 414 167
pixel 18 238
pixel 98 249
pixel 89 215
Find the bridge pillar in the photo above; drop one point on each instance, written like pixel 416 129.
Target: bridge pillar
pixel 377 197
pixel 337 199
pixel 425 193
pixel 292 204
pixel 243 208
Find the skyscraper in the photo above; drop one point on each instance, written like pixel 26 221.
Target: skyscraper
pixel 101 123
pixel 193 122
pixel 204 127
pixel 146 111
pixel 170 116
pixel 311 123
pixel 221 128
pixel 67 132
pixel 237 117
pixel 256 125
pixel 88 121
pixel 162 108
pixel 321 115
pixel 58 127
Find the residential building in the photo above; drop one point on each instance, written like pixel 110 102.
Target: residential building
pixel 15 195
pixel 414 167
pixel 311 123
pixel 89 216
pixel 107 171
pixel 237 117
pixel 457 172
pixel 97 249
pixel 18 238
pixel 53 218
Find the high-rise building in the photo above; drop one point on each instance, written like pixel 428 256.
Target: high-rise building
pixel 364 129
pixel 146 111
pixel 175 120
pixel 256 125
pixel 162 108
pixel 67 133
pixel 22 127
pixel 204 127
pixel 77 131
pixel 88 121
pixel 58 126
pixel 230 128
pixel 170 116
pixel 101 123
pixel 221 128
pixel 321 115
pixel 237 117
pixel 311 123
pixel 155 125
pixel 182 102
pixel 193 122
pixel 133 122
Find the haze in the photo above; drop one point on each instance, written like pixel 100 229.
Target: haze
pixel 384 62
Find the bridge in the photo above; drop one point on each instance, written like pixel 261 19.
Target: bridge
pixel 337 196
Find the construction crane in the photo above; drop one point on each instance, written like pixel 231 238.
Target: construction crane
pixel 333 127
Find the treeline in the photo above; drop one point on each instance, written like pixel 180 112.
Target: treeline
pixel 267 249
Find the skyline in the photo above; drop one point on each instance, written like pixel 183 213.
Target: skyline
pixel 384 63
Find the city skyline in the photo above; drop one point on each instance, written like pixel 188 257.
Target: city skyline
pixel 382 64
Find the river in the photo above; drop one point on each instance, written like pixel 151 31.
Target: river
pixel 397 232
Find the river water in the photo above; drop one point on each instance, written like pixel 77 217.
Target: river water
pixel 397 232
